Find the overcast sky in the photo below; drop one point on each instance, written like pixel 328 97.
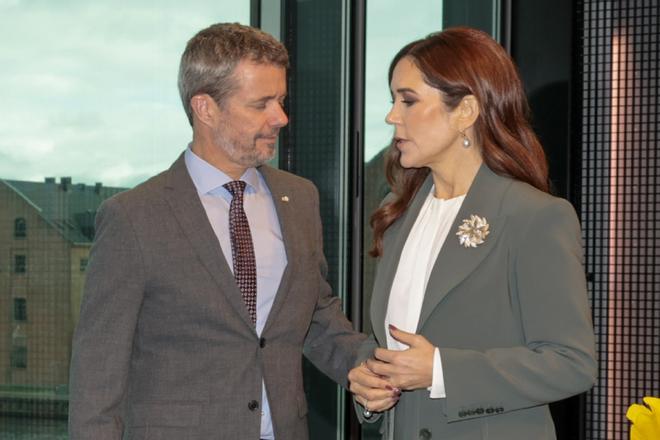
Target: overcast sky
pixel 88 88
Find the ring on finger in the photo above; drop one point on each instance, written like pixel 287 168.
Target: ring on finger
pixel 366 413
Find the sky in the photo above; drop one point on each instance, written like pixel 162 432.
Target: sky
pixel 389 28
pixel 88 88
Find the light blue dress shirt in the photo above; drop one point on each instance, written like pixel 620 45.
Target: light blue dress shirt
pixel 266 237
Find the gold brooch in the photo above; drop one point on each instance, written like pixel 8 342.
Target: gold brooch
pixel 285 199
pixel 473 231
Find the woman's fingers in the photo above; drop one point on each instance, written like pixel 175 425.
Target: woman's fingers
pixel 380 405
pixel 370 388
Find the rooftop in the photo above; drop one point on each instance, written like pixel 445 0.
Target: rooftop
pixel 69 207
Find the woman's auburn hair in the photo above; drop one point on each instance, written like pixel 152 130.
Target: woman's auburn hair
pixel 458 62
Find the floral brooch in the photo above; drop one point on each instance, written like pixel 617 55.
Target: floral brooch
pixel 473 231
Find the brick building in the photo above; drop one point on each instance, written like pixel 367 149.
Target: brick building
pixel 46 231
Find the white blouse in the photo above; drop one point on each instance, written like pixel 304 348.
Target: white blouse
pixel 418 257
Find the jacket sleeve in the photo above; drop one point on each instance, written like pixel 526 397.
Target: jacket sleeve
pixel 557 358
pixel 103 338
pixel 331 343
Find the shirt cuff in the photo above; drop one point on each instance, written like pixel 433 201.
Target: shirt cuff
pixel 437 387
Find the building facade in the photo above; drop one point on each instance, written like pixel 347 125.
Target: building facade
pixel 46 231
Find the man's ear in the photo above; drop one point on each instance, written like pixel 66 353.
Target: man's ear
pixel 204 109
pixel 466 113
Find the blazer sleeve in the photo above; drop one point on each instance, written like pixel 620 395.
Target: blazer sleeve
pixel 557 357
pixel 331 343
pixel 103 339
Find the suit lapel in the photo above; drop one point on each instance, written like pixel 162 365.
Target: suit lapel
pixel 184 201
pixel 455 262
pixel 393 243
pixel 283 200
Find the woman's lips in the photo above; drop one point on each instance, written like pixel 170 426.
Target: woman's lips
pixel 399 141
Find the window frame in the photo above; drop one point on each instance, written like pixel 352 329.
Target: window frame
pixel 20 228
pixel 20 309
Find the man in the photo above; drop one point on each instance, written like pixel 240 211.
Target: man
pixel 207 282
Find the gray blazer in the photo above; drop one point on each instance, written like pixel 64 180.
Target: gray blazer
pixel 165 348
pixel 510 317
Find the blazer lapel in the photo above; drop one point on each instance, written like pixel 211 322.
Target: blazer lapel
pixel 455 262
pixel 184 201
pixel 394 241
pixel 282 199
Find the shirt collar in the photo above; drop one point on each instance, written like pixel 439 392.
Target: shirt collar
pixel 208 179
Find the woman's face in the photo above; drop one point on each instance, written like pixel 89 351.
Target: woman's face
pixel 423 126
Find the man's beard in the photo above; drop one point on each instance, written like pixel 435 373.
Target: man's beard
pixel 244 153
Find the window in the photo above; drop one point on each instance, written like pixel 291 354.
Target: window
pixel 83 264
pixel 85 69
pixel 19 357
pixel 20 228
pixel 20 263
pixel 20 309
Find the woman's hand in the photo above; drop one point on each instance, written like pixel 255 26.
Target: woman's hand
pixel 409 369
pixel 372 391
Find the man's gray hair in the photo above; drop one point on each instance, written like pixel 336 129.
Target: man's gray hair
pixel 210 57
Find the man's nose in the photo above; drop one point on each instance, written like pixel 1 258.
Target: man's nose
pixel 279 117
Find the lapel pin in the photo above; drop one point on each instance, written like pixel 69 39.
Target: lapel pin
pixel 285 199
pixel 473 231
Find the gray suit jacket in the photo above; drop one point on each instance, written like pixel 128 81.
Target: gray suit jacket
pixel 510 317
pixel 165 348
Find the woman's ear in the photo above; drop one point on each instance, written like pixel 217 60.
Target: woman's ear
pixel 466 113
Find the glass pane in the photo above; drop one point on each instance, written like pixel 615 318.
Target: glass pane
pixel 89 94
pixel 389 28
pixel 315 147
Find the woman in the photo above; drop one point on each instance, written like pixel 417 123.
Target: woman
pixel 479 303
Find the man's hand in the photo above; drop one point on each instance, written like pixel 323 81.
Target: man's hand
pixel 372 391
pixel 409 369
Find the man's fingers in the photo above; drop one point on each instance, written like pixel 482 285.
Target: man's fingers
pixel 365 393
pixel 381 405
pixel 364 377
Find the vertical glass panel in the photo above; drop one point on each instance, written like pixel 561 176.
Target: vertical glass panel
pixel 89 92
pixel 389 28
pixel 270 20
pixel 314 146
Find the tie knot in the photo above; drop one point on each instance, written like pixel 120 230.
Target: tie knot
pixel 235 187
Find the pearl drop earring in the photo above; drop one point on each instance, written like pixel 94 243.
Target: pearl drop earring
pixel 466 140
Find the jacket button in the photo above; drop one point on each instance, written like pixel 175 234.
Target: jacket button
pixel 479 411
pixel 253 405
pixel 461 414
pixel 424 434
pixel 489 410
pixel 262 342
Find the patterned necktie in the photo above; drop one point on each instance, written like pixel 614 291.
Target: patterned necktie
pixel 242 251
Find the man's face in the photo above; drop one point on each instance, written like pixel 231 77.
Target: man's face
pixel 250 118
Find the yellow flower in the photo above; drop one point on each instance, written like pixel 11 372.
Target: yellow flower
pixel 645 421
